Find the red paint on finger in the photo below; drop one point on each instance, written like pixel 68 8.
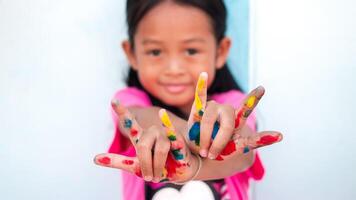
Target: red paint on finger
pixel 104 160
pixel 133 132
pixel 267 140
pixel 172 165
pixel 127 162
pixel 219 158
pixel 138 172
pixel 229 148
pixel 238 117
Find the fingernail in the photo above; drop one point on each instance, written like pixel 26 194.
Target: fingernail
pixel 148 178
pixel 203 153
pixel 155 180
pixel 211 156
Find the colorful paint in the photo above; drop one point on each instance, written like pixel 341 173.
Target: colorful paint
pixel 198 103
pixel 194 133
pixel 128 162
pixel 172 166
pixel 200 84
pixel 104 160
pixel 246 149
pixel 250 101
pixel 267 140
pixel 127 123
pixel 133 132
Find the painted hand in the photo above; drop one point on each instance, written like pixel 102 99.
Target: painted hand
pixel 161 153
pixel 217 130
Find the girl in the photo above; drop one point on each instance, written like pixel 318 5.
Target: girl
pixel 171 42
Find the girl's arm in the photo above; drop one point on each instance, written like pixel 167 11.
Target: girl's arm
pixel 211 169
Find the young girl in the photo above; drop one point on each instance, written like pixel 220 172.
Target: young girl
pixel 178 50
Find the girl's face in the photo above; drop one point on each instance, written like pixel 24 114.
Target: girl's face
pixel 173 45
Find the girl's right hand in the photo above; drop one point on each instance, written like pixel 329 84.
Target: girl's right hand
pixel 219 130
pixel 161 153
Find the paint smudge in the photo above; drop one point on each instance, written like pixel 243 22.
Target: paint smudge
pixel 133 132
pixel 194 133
pixel 219 158
pixel 246 149
pixel 229 148
pixel 172 166
pixel 201 83
pixel 165 120
pixel 127 123
pixel 215 130
pixel 177 154
pixel 128 162
pixel 138 172
pixel 267 140
pixel 250 101
pixel 198 103
pixel 247 113
pixel 104 160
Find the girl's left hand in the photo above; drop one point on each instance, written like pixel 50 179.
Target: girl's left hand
pixel 217 130
pixel 172 162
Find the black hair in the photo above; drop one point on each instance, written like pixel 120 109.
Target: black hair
pixel 216 10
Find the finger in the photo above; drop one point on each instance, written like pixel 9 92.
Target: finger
pixel 161 151
pixel 247 106
pixel 128 164
pixel 199 104
pixel 225 131
pixel 208 128
pixel 127 123
pixel 144 150
pixel 265 138
pixel 177 142
pixel 177 159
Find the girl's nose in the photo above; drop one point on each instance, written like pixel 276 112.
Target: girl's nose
pixel 175 67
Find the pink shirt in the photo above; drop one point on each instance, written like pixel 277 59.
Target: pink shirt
pixel 237 185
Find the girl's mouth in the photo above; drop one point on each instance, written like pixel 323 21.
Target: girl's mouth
pixel 176 88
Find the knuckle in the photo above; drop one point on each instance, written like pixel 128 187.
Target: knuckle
pixel 211 103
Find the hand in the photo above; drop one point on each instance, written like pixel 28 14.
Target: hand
pixel 221 129
pixel 162 154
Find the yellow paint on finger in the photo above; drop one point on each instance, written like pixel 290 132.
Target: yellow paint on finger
pixel 165 120
pixel 198 104
pixel 250 101
pixel 201 83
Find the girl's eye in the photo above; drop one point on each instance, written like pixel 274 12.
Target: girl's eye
pixel 155 52
pixel 191 52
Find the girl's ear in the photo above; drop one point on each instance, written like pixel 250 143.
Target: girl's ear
pixel 126 46
pixel 222 52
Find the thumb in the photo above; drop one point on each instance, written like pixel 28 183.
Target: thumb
pixel 128 164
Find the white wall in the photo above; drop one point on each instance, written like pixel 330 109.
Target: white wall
pixel 304 54
pixel 60 62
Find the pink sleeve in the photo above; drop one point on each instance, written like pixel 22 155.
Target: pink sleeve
pixel 127 97
pixel 235 98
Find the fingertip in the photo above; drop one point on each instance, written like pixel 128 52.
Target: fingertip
pixel 203 153
pixel 115 102
pixel 204 75
pixel 161 112
pixel 261 90
pixel 102 159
